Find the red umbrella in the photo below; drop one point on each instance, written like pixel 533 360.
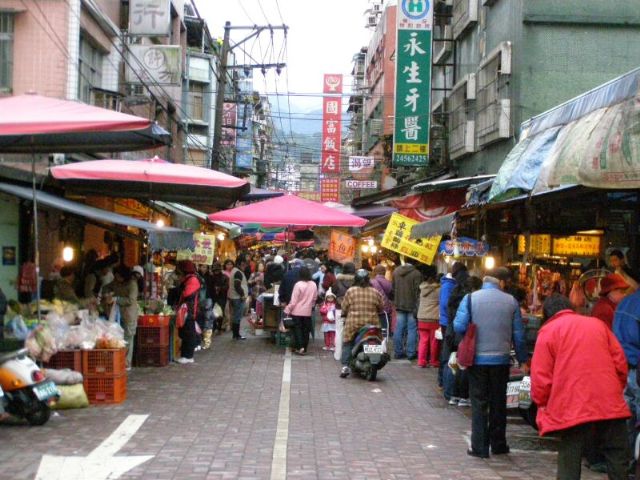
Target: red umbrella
pixel 289 210
pixel 33 123
pixel 152 178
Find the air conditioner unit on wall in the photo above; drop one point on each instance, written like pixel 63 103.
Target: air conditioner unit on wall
pixel 377 7
pixel 372 20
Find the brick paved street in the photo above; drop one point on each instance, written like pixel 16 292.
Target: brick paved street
pixel 217 419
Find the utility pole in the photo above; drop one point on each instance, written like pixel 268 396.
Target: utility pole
pixel 222 80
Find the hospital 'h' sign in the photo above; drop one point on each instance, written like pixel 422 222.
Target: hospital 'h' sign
pixel 413 82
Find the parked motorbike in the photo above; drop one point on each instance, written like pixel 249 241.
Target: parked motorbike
pixel 27 393
pixel 369 353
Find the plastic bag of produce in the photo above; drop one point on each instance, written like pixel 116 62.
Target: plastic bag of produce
pixel 71 396
pixel 59 329
pixel 17 328
pixel 64 376
pixel 111 335
pixel 40 343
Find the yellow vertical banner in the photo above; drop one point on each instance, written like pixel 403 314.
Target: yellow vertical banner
pixel 342 247
pixel 396 239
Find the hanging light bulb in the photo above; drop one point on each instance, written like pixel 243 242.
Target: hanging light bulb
pixel 67 254
pixel 160 223
pixel 365 248
pixel 370 241
pixel 373 249
pixel 221 236
pixel 489 262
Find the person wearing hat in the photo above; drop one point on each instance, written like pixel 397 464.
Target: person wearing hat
pixel 578 373
pixel 274 272
pixel 138 274
pixel 122 294
pixel 498 321
pixel 613 288
pixel 328 313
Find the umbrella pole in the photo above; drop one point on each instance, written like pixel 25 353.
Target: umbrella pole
pixel 36 247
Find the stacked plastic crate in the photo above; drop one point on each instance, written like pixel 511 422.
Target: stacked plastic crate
pixel 105 375
pixel 71 359
pixel 152 341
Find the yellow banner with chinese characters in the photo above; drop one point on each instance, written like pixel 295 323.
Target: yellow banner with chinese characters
pixel 540 244
pixel 342 247
pixel 202 253
pixel 396 238
pixel 577 246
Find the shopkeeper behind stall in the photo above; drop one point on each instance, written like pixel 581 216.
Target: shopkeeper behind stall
pixel 122 294
pixel 620 267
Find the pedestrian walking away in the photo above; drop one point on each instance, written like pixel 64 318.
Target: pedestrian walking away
pixel 578 373
pixel 300 307
pixel 406 293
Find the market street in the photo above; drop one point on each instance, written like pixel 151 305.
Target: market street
pixel 217 419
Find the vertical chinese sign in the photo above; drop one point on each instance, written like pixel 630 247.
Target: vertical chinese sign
pixel 330 189
pixel 413 83
pixel 229 136
pixel 331 136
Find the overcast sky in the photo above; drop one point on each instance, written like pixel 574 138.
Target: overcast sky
pixel 323 36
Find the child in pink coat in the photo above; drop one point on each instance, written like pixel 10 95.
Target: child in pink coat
pixel 328 313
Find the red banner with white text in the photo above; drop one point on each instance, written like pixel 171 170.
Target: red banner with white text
pixel 331 124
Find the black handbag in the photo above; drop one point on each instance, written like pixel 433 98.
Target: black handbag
pixel 288 322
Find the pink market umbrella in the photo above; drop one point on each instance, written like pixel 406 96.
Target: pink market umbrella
pixel 288 210
pixel 154 179
pixel 37 124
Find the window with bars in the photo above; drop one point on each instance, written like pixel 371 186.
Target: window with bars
pixel 493 103
pixel 461 118
pixel 90 69
pixel 196 104
pixel 6 52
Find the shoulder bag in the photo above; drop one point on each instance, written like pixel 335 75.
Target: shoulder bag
pixel 181 315
pixel 467 347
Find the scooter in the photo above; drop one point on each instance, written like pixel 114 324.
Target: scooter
pixel 27 393
pixel 369 353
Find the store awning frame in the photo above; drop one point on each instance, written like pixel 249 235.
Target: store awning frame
pixel 451 183
pixel 159 237
pixel 233 229
pixel 438 226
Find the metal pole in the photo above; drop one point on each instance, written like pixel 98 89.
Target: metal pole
pixel 36 246
pixel 222 86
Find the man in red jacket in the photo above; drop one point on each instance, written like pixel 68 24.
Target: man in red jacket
pixel 578 373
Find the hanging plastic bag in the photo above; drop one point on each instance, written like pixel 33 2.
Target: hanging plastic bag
pixel 576 296
pixel 338 341
pixel 276 295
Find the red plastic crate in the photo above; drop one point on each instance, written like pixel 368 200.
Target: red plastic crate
pixel 66 359
pixel 106 389
pixel 151 356
pixel 104 362
pixel 156 336
pixel 154 320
